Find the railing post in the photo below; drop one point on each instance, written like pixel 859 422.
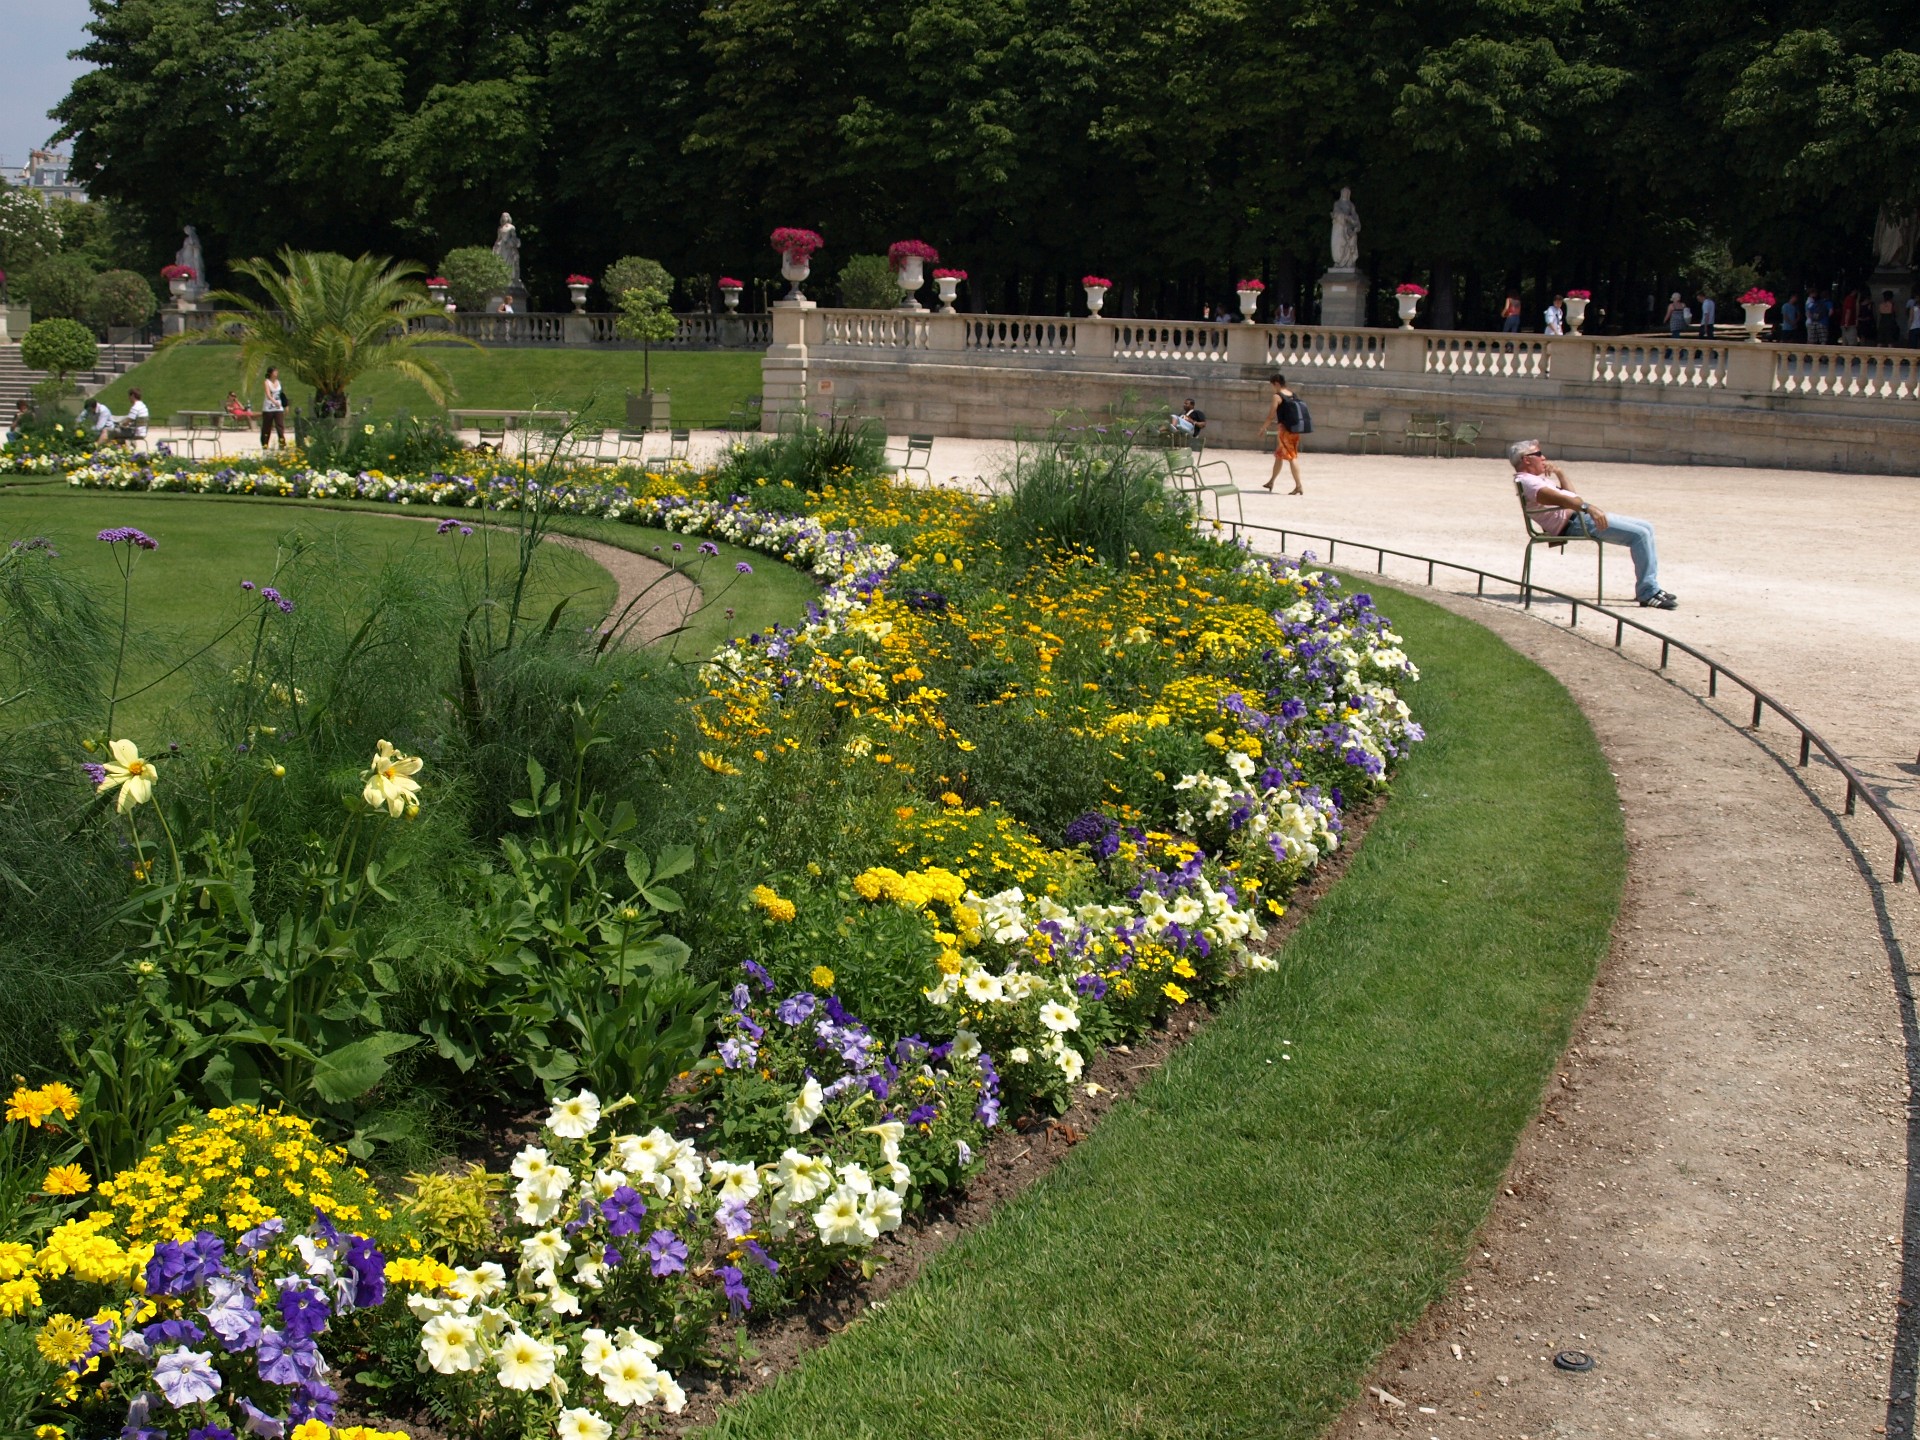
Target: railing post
pixel 783 369
pixel 1093 338
pixel 946 332
pixel 1247 346
pixel 1406 352
pixel 1750 369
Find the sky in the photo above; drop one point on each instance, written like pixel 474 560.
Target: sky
pixel 35 36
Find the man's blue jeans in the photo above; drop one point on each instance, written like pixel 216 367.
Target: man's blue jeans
pixel 1637 536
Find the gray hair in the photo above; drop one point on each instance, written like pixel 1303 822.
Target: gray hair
pixel 1520 449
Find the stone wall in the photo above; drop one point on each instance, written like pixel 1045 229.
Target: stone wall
pixel 1590 398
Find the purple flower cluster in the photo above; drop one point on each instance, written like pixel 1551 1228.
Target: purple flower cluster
pixel 126 534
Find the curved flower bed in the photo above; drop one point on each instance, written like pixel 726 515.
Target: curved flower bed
pixel 1188 734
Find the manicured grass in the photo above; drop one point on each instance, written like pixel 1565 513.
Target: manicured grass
pixel 1227 1253
pixel 705 384
pixel 188 589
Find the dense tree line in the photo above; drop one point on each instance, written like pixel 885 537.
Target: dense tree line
pixel 1171 144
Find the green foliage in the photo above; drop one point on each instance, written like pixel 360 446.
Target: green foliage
pixel 119 298
pixel 474 274
pixel 635 272
pixel 328 320
pixel 58 288
pixel 28 233
pixel 644 316
pixel 866 282
pixel 808 457
pixel 400 443
pixel 1090 487
pixel 60 346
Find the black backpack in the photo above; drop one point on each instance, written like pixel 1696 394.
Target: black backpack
pixel 1294 417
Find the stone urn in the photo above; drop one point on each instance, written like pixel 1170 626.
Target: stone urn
pixel 1096 298
pixel 910 276
pixel 1409 308
pixel 795 268
pixel 949 287
pixel 182 289
pixel 1756 321
pixel 1576 313
pixel 438 294
pixel 1249 303
pixel 730 297
pixel 579 294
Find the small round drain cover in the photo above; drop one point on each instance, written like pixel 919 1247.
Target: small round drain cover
pixel 1573 1360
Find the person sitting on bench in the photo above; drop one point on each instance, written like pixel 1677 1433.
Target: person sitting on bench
pixel 1549 497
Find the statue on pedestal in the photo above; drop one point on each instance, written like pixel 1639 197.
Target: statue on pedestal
pixel 506 244
pixel 1346 231
pixel 1893 237
pixel 194 258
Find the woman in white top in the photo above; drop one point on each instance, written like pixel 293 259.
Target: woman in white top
pixel 273 407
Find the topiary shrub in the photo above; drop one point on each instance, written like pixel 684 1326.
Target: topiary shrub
pixel 866 283
pixel 120 298
pixel 635 272
pixel 62 347
pixel 59 288
pixel 474 274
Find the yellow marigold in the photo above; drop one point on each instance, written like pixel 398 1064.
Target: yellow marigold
pixel 419 1272
pixel 49 1432
pixel 951 800
pixel 66 1180
pixel 14 1259
pixel 1184 968
pixel 950 962
pixel 312 1430
pixel 822 978
pixel 18 1296
pixel 776 908
pixel 63 1340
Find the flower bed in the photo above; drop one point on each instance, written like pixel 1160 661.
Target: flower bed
pixel 973 818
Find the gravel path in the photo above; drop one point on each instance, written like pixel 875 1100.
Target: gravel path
pixel 661 597
pixel 1713 1201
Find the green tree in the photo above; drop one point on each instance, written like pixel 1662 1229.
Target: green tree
pixel 474 274
pixel 866 282
pixel 58 288
pixel 28 232
pixel 63 347
pixel 327 320
pixel 119 298
pixel 635 272
pixel 644 316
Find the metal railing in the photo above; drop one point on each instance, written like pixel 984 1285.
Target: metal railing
pixel 1905 855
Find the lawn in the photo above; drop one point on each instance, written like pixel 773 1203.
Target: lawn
pixel 1228 1253
pixel 705 384
pixel 186 593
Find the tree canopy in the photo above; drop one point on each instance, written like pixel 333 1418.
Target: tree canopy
pixel 1172 144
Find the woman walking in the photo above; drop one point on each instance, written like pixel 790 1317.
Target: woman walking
pixel 273 406
pixel 1288 418
pixel 1676 316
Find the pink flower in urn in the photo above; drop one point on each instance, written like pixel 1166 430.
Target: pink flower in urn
pixel 902 251
pixel 579 280
pixel 796 244
pixel 949 274
pixel 1579 294
pixel 727 282
pixel 177 272
pixel 1096 282
pixel 1254 285
pixel 1757 296
pixel 438 282
pixel 1410 288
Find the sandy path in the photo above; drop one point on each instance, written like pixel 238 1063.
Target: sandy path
pixel 1713 1200
pixel 661 597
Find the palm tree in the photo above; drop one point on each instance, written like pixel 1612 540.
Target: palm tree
pixel 328 320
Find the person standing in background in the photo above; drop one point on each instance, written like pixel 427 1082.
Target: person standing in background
pixel 1913 321
pixel 1886 320
pixel 273 405
pixel 1708 309
pixel 1789 331
pixel 1676 316
pixel 1510 314
pixel 1288 418
pixel 1819 317
pixel 1556 317
pixel 1850 318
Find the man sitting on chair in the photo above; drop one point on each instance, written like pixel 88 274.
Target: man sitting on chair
pixel 1549 498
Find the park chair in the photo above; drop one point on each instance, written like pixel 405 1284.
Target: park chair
pixel 1370 431
pixel 679 444
pixel 492 430
pixel 1537 537
pixel 745 418
pixel 1189 474
pixel 918 459
pixel 630 445
pixel 1461 437
pixel 1424 428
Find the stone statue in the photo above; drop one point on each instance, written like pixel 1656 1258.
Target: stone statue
pixel 1346 231
pixel 191 255
pixel 506 244
pixel 1893 239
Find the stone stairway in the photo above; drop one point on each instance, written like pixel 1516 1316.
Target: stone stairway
pixel 17 381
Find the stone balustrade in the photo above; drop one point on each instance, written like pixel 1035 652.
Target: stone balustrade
pixel 1730 401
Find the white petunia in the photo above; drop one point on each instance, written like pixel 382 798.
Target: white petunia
pixel 803 1177
pixel 577 1424
pixel 882 1210
pixel 1018 1055
pixel 806 1108
pixel 452 1344
pixel 891 1133
pixel 854 1177
pixel 479 1284
pixel 530 1162
pixel 983 988
pixel 525 1363
pixel 1240 763
pixel 840 1221
pixel 734 1182
pixel 628 1377
pixel 672 1398
pixel 645 1153
pixel 966 1045
pixel 575 1118
pixel 595 1350
pixel 1071 1064
pixel 1058 1018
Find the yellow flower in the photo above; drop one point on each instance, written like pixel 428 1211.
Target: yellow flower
pixel 60 1096
pixel 30 1106
pixel 390 784
pixel 66 1180
pixel 130 775
pixel 822 977
pixel 63 1340
pixel 1174 993
pixel 777 908
pixel 717 763
pixel 49 1432
pixel 312 1429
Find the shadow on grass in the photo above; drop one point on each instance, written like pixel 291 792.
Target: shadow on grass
pixel 1226 1255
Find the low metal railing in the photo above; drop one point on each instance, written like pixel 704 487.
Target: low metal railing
pixel 1905 855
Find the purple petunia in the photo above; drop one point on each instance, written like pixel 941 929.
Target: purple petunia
pixel 623 1211
pixel 230 1314
pixel 735 1285
pixel 210 1432
pixel 752 1248
pixel 667 1251
pixel 257 1238
pixel 303 1310
pixel 796 1008
pixel 734 1218
pixel 611 1258
pixel 369 1270
pixel 286 1359
pixel 922 1115
pixel 186 1377
pixel 173 1332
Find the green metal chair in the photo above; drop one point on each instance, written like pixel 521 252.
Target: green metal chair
pixel 1460 436
pixel 1537 537
pixel 1370 431
pixel 1424 430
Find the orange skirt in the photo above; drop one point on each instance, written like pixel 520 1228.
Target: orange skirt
pixel 1288 447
